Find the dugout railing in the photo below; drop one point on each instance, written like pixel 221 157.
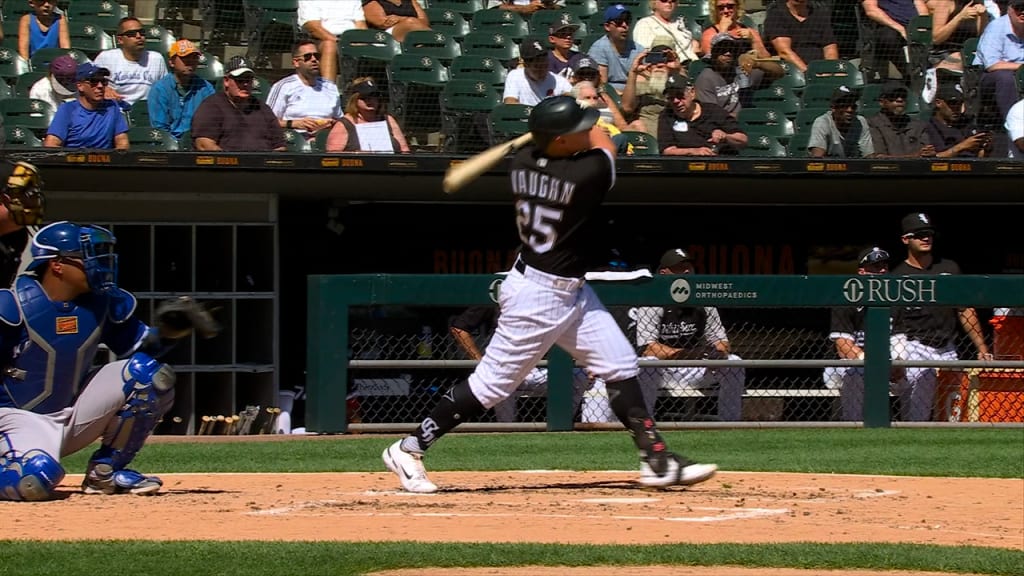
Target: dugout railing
pixel 333 364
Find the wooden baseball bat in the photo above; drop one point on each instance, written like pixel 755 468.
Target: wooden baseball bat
pixel 459 175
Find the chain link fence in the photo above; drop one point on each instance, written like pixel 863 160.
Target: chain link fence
pixel 697 365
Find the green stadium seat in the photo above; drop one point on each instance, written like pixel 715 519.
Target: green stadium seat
pixel 693 13
pixel 482 68
pixel 12 11
pixel 767 121
pixel 6 91
pixel 833 73
pixel 296 142
pixel 42 57
pixel 817 96
pixel 365 53
pixel 185 142
pixel 805 119
pixel 461 103
pixel 448 21
pixel 151 139
pixel 159 39
pixel 465 7
pixel 10 29
pixel 270 26
pixel 506 121
pixel 319 142
pixel 968 50
pixel 432 43
pixel 542 20
pixel 89 37
pixel 12 64
pixel 21 137
pixel 104 13
pixel 797 145
pixel 23 83
pixel 794 78
pixel 210 68
pixel 138 115
pixel 643 143
pixel 29 113
pixel 493 44
pixel 504 22
pixel 583 9
pixel 415 83
pixel 638 8
pixel 778 97
pixel 764 146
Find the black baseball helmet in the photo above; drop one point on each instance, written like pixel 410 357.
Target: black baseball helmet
pixel 560 115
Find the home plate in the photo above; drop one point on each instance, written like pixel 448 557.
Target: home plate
pixel 620 500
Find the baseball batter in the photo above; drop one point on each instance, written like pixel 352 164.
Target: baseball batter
pixel 52 402
pixel 931 331
pixel 558 185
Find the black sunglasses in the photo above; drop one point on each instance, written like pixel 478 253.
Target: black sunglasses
pixel 97 81
pixel 309 56
pixel 132 33
pixel 621 21
pixel 876 256
pixel 920 234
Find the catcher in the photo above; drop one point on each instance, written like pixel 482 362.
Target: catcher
pixel 22 206
pixel 53 402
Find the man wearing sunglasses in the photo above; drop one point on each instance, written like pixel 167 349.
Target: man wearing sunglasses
pixel 90 121
pixel 895 134
pixel 234 120
pixel 847 334
pixel 931 330
pixel 949 128
pixel 616 51
pixel 305 101
pixel 133 69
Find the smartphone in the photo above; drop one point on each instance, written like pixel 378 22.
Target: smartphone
pixel 655 58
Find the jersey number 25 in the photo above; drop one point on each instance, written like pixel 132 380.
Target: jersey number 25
pixel 536 224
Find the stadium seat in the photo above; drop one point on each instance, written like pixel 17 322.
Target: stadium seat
pixel 1020 81
pixel 12 12
pixel 159 39
pixel 319 142
pixel 797 145
pixel 638 8
pixel 817 96
pixel 23 83
pixel 89 37
pixel 542 20
pixel 432 43
pixel 805 119
pixel 151 139
pixel 463 103
pixel 465 7
pixel 270 26
pixel 185 142
pixel 767 121
pixel 103 13
pixel 779 97
pixel 764 146
pixel 138 115
pixel 968 50
pixel 42 57
pixel 210 68
pixel 695 67
pixel 12 64
pixel 10 29
pixel 582 9
pixel 506 121
pixel 29 113
pixel 5 91
pixel 296 142
pixel 692 12
pixel 365 53
pixel 794 78
pixel 415 83
pixel 482 68
pixel 21 137
pixel 505 22
pixel 870 105
pixel 833 73
pixel 448 21
pixel 643 144
pixel 493 44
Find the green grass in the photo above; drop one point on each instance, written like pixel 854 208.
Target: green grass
pixel 993 453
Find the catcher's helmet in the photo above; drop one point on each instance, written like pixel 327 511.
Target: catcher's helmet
pixel 92 244
pixel 22 193
pixel 560 115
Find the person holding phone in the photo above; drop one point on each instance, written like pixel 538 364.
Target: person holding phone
pixel 643 96
pixel 949 131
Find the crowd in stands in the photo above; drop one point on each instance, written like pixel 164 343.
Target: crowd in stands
pixel 934 78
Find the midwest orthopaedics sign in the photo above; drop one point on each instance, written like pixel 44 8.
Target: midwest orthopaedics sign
pixel 681 290
pixel 889 291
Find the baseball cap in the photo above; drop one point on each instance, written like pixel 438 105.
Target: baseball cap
pixel 586 64
pixel 844 94
pixel 676 81
pixel 615 11
pixel 916 222
pixel 238 66
pixel 662 43
pixel 532 49
pixel 673 257
pixel 88 70
pixel 63 74
pixel 949 92
pixel 872 255
pixel 183 48
pixel 565 20
pixel 893 88
pixel 723 40
pixel 365 89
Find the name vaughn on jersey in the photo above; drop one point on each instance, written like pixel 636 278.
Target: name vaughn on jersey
pixel 539 185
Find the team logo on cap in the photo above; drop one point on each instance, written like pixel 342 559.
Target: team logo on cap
pixel 923 218
pixel 538 47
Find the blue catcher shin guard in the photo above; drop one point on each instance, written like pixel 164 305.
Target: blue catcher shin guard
pixel 29 476
pixel 149 394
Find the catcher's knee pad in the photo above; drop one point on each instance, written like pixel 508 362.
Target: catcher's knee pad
pixel 31 476
pixel 149 394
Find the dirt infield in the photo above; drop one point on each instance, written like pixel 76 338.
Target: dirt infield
pixel 544 506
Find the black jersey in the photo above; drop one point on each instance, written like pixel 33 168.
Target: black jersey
pixel 848 322
pixel 11 247
pixel 931 325
pixel 556 204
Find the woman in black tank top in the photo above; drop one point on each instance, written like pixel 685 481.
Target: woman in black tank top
pixel 397 17
pixel 363 104
pixel 953 23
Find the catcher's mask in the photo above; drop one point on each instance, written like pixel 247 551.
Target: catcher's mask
pixel 91 244
pixel 23 195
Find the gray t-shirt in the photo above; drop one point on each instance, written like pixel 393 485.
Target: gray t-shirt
pixel 855 143
pixel 618 63
pixel 712 88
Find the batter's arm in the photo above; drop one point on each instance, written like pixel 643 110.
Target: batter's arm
pixel 848 350
pixel 969 320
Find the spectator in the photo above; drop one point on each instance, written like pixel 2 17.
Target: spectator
pixel 690 128
pixel 727 16
pixel 616 52
pixel 396 17
pixel 661 23
pixel 90 121
pixel 174 99
pixel 800 33
pixel 60 86
pixel 234 120
pixel 848 337
pixel 532 82
pixel 953 23
pixel 1001 53
pixel 305 101
pixel 687 333
pixel 888 36
pixel 717 84
pixel 841 132
pixel 526 7
pixel 930 330
pixel 364 105
pixel 43 28
pixel 611 119
pixel 325 20
pixel 586 71
pixel 1015 130
pixel 893 133
pixel 563 59
pixel 948 128
pixel 644 95
pixel 134 68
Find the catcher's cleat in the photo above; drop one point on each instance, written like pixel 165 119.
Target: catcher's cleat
pixel 101 479
pixel 409 468
pixel 667 469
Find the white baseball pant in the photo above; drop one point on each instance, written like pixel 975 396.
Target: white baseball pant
pixel 917 394
pixel 731 382
pixel 536 382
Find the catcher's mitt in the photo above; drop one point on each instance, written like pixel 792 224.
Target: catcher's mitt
pixel 22 195
pixel 177 318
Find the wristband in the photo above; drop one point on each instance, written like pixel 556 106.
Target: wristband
pixel 288 124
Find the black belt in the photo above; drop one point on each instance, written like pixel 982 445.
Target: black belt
pixel 520 266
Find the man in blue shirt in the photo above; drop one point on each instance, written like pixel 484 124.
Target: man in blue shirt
pixel 616 52
pixel 90 121
pixel 1001 53
pixel 174 98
